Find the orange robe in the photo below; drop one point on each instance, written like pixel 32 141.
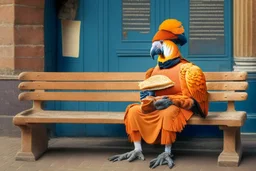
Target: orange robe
pixel 159 126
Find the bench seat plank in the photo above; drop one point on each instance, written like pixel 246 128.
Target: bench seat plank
pixel 214 118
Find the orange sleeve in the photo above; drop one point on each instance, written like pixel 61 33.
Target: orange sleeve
pixel 182 101
pixel 149 73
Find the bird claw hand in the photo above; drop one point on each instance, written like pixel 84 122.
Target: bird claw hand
pixel 130 156
pixel 162 103
pixel 162 159
pixel 144 94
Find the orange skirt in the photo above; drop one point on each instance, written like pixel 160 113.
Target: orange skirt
pixel 159 126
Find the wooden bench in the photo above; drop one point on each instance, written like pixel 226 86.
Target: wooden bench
pixel 118 87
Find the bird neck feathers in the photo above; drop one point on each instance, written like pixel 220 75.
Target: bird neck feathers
pixel 170 63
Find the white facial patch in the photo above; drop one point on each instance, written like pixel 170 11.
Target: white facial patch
pixel 156 44
pixel 167 50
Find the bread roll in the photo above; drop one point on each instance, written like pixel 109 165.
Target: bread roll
pixel 156 82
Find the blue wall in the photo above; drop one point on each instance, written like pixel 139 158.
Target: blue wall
pixel 50 35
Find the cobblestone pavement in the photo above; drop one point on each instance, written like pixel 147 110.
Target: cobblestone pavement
pixel 67 154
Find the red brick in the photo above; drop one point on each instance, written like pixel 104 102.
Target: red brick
pixel 7 52
pixel 6 35
pixel 32 35
pixel 36 3
pixel 29 51
pixel 30 16
pixel 7 63
pixel 6 2
pixel 29 64
pixel 6 14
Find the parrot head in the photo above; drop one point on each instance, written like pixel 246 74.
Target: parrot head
pixel 165 49
pixel 165 42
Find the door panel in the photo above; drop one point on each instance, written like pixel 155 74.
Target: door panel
pixel 133 48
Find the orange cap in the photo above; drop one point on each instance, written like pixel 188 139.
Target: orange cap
pixel 169 29
pixel 164 35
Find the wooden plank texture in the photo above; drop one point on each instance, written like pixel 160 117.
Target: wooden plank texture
pixel 111 76
pixel 227 85
pixel 39 85
pixel 213 118
pixel 79 86
pixel 225 76
pixel 79 76
pixel 227 96
pixel 116 96
pixel 81 96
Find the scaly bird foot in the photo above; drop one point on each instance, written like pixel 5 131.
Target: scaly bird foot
pixel 130 156
pixel 162 159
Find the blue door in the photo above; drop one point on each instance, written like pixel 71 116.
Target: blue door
pixel 116 36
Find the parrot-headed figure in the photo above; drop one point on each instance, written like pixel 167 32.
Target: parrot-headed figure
pixel 171 107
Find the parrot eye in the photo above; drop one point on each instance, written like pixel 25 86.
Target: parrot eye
pixel 161 41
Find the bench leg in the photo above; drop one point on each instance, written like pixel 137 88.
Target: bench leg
pixel 34 142
pixel 232 149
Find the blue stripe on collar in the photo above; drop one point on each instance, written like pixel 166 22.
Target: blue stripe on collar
pixel 168 64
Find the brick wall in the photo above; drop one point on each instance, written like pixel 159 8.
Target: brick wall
pixel 21 36
pixel 21 49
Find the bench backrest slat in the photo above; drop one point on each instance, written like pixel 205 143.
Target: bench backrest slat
pixel 115 76
pixel 117 86
pixel 116 96
pixel 81 76
pixel 221 86
pixel 39 85
pixel 79 86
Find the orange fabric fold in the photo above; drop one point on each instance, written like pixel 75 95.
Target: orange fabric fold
pixel 159 126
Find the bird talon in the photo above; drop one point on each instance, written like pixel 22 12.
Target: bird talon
pixel 129 156
pixel 162 159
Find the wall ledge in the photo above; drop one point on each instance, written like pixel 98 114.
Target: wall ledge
pixel 245 64
pixel 8 77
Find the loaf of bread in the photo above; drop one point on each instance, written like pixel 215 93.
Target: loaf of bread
pixel 156 82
